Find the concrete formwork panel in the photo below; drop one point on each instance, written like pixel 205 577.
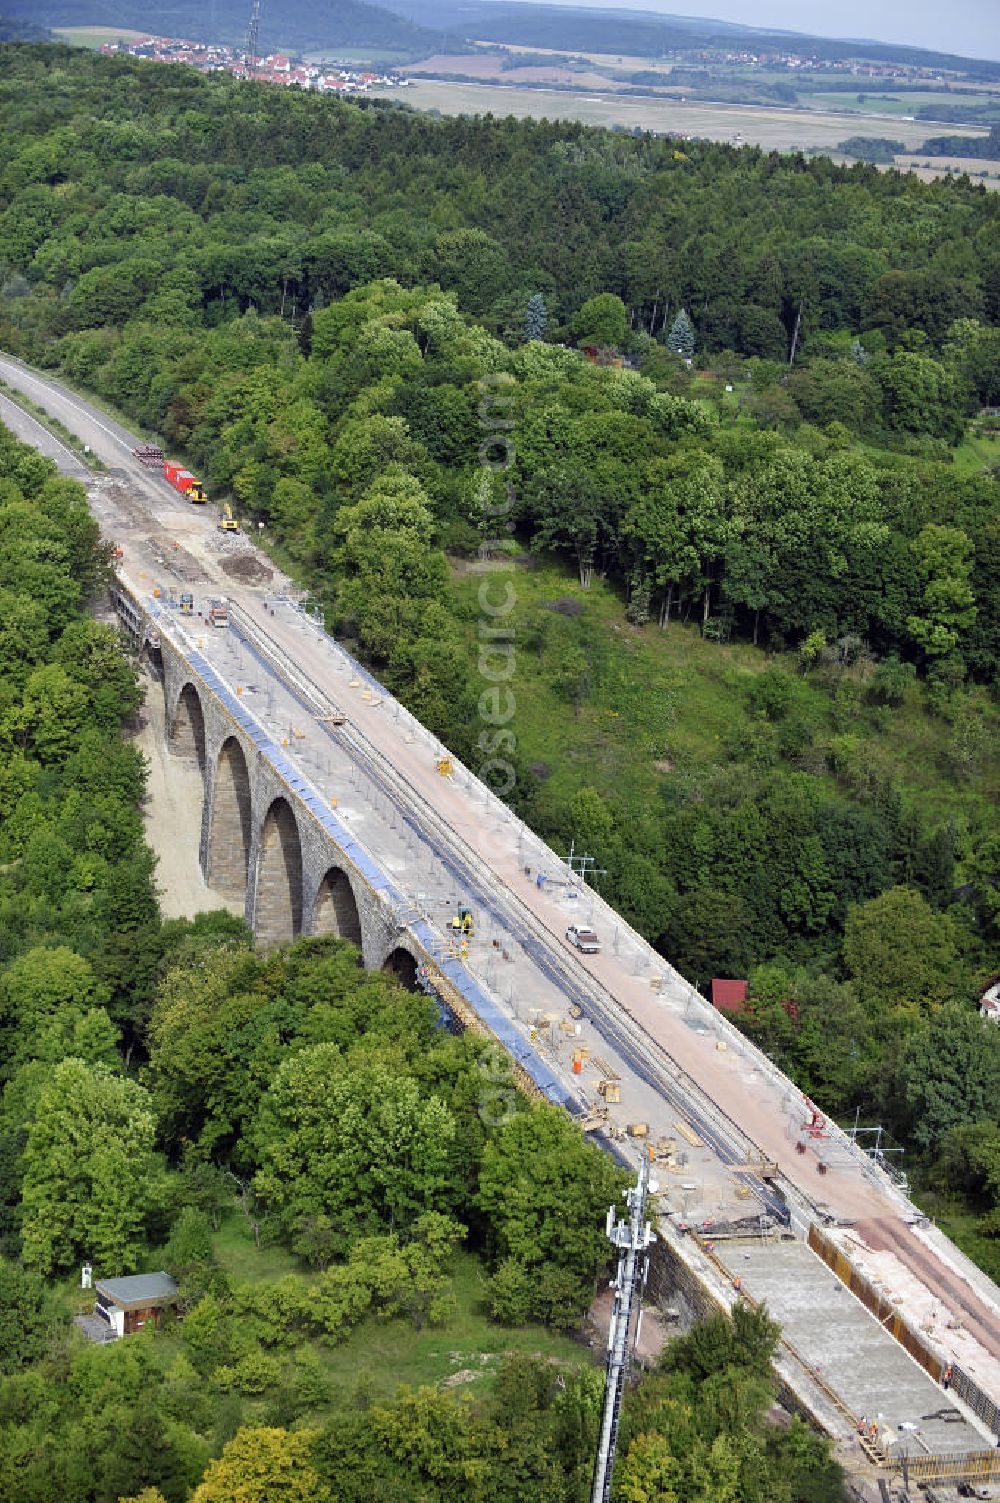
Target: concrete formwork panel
pixel 858 1359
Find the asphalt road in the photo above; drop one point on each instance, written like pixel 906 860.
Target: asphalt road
pixel 89 423
pixel 30 431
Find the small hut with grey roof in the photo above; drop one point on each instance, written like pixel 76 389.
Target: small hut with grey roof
pixel 129 1304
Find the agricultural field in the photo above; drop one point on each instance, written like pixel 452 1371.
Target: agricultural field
pixel 928 168
pixel 903 105
pixel 487 67
pixel 349 55
pixel 96 36
pixel 773 129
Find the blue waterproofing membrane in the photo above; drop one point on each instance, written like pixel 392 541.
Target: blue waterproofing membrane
pixel 498 1023
pixel 480 1002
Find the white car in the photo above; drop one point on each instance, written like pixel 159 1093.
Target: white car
pixel 584 939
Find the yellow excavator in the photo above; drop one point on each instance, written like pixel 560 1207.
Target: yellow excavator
pixel 462 923
pixel 227 522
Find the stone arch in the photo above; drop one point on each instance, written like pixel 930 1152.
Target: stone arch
pixel 401 964
pixel 335 910
pixel 231 823
pixel 278 899
pixel 186 736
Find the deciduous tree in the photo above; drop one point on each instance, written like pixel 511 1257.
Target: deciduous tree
pixel 87 1171
pixel 264 1466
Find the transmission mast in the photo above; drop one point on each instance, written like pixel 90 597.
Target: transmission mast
pixel 632 1238
pixel 250 61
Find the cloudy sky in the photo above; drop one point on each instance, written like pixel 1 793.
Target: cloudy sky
pixel 968 27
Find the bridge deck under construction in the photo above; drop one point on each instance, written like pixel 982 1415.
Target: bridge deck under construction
pixel 729 1124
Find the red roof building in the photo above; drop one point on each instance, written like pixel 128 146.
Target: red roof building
pixel 729 996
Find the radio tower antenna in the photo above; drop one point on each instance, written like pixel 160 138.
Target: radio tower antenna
pixel 632 1238
pixel 250 61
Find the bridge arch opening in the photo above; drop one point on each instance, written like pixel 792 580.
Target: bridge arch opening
pixel 402 965
pixel 229 835
pixel 187 729
pixel 335 910
pixel 278 906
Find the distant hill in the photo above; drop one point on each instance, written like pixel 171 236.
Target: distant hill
pixel 16 29
pixel 415 28
pixel 648 33
pixel 301 24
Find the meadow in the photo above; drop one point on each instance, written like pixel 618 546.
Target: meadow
pixel 773 129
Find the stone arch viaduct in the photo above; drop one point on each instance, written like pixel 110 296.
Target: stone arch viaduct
pixel 267 839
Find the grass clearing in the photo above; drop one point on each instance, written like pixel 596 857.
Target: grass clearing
pixel 662 706
pixel 380 1355
pixel 468 1350
pixel 96 36
pixel 978 451
pixel 241 1259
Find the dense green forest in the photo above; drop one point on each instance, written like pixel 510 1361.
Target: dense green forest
pixel 734 474
pixel 983 147
pixel 310 299
pixel 22 30
pixel 302 1146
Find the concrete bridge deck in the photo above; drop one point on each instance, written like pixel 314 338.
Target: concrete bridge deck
pixel 431 840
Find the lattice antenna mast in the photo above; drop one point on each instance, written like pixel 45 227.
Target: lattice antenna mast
pixel 253 30
pixel 632 1238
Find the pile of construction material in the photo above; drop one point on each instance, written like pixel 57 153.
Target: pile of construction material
pixel 150 455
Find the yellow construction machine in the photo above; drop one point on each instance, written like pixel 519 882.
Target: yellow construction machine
pixel 227 522
pixel 462 922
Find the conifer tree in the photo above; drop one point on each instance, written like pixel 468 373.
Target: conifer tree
pixel 536 318
pixel 680 340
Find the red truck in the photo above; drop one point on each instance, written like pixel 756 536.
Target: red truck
pixel 183 481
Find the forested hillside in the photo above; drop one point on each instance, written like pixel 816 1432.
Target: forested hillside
pixel 652 34
pixel 348 24
pixel 756 621
pixel 305 1150
pixel 738 490
pixel 22 30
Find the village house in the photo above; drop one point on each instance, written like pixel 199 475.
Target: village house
pixel 989 1002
